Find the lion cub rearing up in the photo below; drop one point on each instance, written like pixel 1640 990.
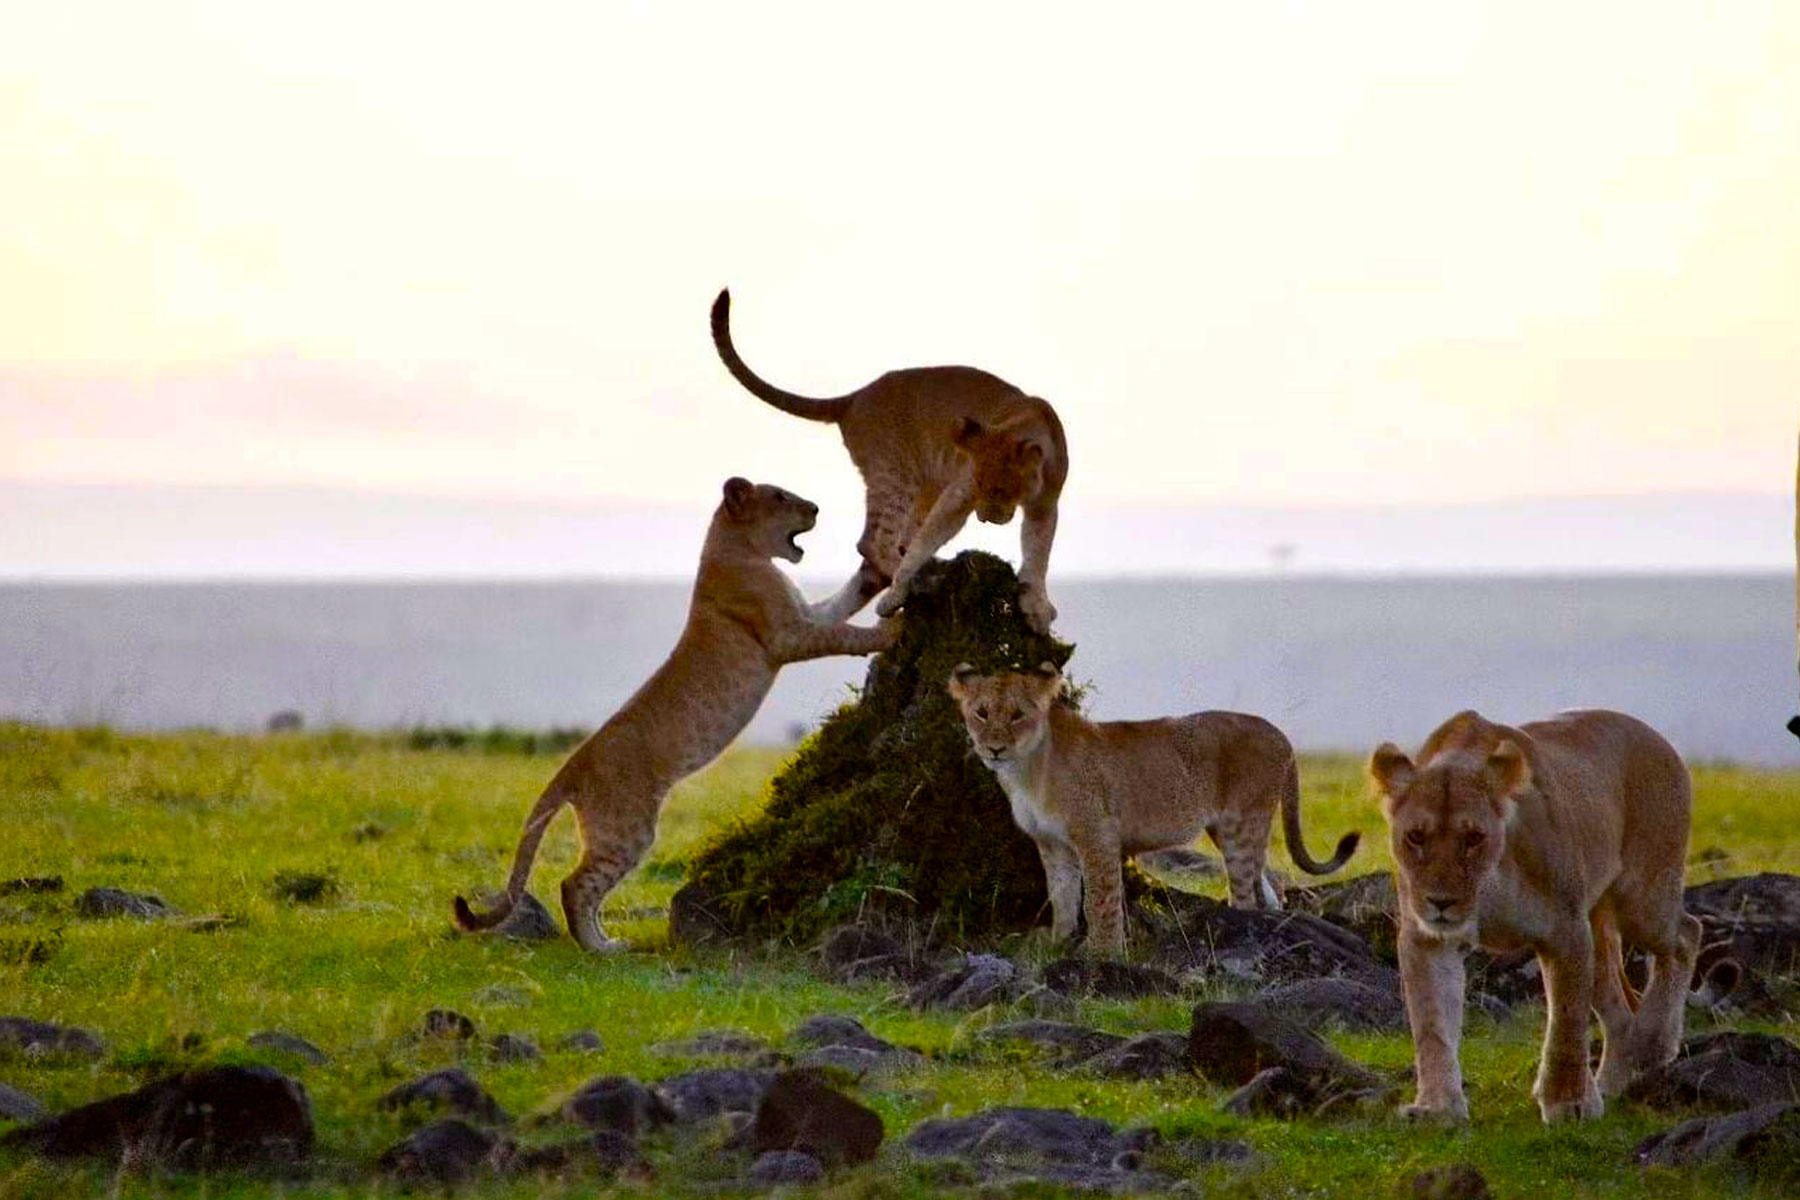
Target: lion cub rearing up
pixel 1564 836
pixel 745 621
pixel 1090 792
pixel 935 444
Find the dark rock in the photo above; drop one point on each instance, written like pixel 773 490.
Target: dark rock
pixel 1046 1147
pixel 1147 1056
pixel 451 1089
pixel 514 1047
pixel 1769 896
pixel 446 1152
pixel 443 1023
pixel 1366 905
pixel 18 1106
pixel 852 952
pixel 1182 861
pixel 218 1116
pixel 1074 1043
pixel 617 1153
pixel 715 1044
pixel 277 1042
pixel 696 918
pixel 1234 1044
pixel 37 1039
pixel 1765 1139
pixel 1113 980
pixel 799 1112
pixel 1205 1151
pixel 1197 933
pixel 982 979
pixel 529 921
pixel 778 1167
pixel 1723 1072
pixel 698 1095
pixel 305 887
pixel 1347 1002
pixel 287 720
pixel 36 885
pixel 1511 978
pixel 115 902
pixel 619 1104
pixel 583 1040
pixel 1459 1181
pixel 830 1029
pixel 852 1061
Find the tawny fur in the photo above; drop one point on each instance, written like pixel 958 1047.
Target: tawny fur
pixel 745 621
pixel 1090 793
pixel 935 444
pixel 1567 836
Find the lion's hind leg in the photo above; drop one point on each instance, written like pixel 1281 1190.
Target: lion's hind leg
pixel 611 845
pixel 1614 1000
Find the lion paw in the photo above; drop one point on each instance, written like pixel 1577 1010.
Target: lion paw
pixel 1586 1108
pixel 892 602
pixel 1036 606
pixel 1446 1112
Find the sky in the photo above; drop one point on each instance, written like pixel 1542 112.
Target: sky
pixel 1289 257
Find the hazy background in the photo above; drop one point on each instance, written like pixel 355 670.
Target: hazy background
pixel 419 291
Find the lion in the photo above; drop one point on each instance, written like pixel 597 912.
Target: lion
pixel 1090 792
pixel 745 621
pixel 1568 837
pixel 933 445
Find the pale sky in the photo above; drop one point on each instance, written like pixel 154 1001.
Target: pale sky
pixel 1307 255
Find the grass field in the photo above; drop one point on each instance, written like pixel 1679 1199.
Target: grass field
pixel 208 822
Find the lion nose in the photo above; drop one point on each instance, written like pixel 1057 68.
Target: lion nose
pixel 996 751
pixel 1440 905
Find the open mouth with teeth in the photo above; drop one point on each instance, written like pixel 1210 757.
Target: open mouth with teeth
pixel 793 538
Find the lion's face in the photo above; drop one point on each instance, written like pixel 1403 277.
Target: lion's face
pixel 1006 715
pixel 772 518
pixel 1447 828
pixel 1008 469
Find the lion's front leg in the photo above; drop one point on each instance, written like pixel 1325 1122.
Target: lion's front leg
pixel 1037 532
pixel 1103 891
pixel 949 514
pixel 1565 1087
pixel 1431 975
pixel 1062 879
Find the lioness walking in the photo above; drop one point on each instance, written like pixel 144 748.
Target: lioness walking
pixel 1567 836
pixel 746 620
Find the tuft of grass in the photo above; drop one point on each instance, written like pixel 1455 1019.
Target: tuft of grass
pixel 305 887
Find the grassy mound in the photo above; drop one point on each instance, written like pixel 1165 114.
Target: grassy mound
pixel 885 810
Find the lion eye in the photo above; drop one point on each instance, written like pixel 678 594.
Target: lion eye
pixel 1474 838
pixel 1016 716
pixel 1415 838
pixel 981 713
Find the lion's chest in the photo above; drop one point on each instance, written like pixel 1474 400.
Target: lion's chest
pixel 1029 809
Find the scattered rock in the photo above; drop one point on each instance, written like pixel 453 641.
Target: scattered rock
pixel 1010 1145
pixel 727 1043
pixel 1459 1181
pixel 43 1039
pixel 1347 1002
pixel 585 1041
pixel 982 979
pixel 1074 1043
pixel 36 885
pixel 779 1167
pixel 241 1116
pixel 529 921
pixel 1366 905
pixel 852 952
pixel 695 918
pixel 799 1112
pixel 1113 980
pixel 514 1047
pixel 619 1104
pixel 443 1023
pixel 1723 1072
pixel 854 1061
pixel 278 1042
pixel 617 1153
pixel 1147 1056
pixel 1195 933
pixel 447 1153
pixel 19 1106
pixel 1770 896
pixel 1204 1151
pixel 115 902
pixel 1235 1045
pixel 830 1029
pixel 1511 978
pixel 1181 861
pixel 1766 1139
pixel 712 1091
pixel 452 1089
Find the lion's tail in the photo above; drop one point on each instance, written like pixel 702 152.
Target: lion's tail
pixel 762 389
pixel 466 918
pixel 1290 829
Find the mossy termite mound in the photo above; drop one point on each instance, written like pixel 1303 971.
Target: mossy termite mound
pixel 885 811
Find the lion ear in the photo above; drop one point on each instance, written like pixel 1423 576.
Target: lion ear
pixel 1509 773
pixel 967 430
pixel 960 675
pixel 1028 452
pixel 1048 670
pixel 738 492
pixel 1392 772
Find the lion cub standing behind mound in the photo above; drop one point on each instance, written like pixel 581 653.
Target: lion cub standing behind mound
pixel 745 621
pixel 1563 836
pixel 1090 792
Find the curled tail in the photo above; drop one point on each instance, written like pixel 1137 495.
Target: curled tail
pixel 466 918
pixel 1290 829
pixel 787 402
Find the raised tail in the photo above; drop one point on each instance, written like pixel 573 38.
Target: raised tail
pixel 787 402
pixel 470 921
pixel 1290 829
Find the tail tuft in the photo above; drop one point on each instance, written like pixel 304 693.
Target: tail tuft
pixel 469 921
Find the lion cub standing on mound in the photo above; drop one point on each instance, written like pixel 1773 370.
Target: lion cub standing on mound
pixel 1090 792
pixel 745 621
pixel 935 444
pixel 1564 836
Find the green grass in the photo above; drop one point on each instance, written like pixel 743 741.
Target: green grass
pixel 226 826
